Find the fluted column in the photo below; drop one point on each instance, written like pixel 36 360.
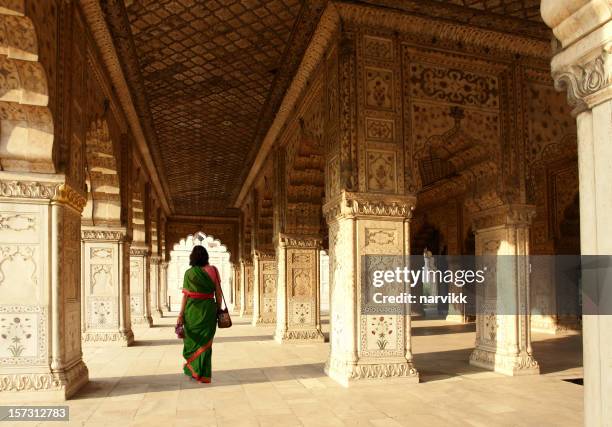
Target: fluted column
pixel 503 329
pixel 582 66
pixel 105 286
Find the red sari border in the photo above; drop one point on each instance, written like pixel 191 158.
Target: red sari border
pixel 198 295
pixel 193 357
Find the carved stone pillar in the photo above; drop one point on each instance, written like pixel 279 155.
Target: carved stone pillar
pixel 236 278
pixel 264 289
pixel 503 330
pixel 583 66
pixel 163 286
pixel 298 297
pixel 154 277
pixel 140 302
pixel 246 285
pixel 365 346
pixel 40 308
pixel 105 286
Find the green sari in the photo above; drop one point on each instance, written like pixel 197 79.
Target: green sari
pixel 200 323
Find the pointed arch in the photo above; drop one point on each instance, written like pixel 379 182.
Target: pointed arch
pixel 104 192
pixel 26 123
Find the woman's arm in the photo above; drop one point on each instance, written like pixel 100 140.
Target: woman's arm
pixel 179 320
pixel 218 292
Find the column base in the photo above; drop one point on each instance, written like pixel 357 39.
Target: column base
pixel 118 338
pixel 507 364
pixel 146 321
pixel 158 314
pixel 556 326
pixel 299 335
pixel 348 372
pixel 264 322
pixel 43 386
pixel 246 314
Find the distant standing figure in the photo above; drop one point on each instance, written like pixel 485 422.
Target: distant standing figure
pixel 198 315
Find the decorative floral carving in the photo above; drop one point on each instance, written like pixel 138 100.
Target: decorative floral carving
pixel 380 129
pixel 17 222
pixel 379 88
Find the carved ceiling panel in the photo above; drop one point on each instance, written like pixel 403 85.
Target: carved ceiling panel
pixel 523 9
pixel 208 68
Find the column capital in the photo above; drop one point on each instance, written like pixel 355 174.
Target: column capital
pixel 299 242
pixel 106 234
pixel 505 215
pixel 139 251
pixel 581 65
pixel 264 255
pixel 349 204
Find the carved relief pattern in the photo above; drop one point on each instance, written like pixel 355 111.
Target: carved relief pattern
pixel 379 88
pixel 102 312
pixel 380 130
pixel 23 335
pixel 381 171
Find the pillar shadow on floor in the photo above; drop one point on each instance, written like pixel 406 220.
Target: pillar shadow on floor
pixel 134 385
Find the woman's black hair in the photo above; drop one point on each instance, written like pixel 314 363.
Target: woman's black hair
pixel 199 256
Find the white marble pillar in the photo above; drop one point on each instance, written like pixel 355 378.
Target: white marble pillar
pixel 40 292
pixel 503 329
pixel 140 302
pixel 246 285
pixel 366 346
pixel 582 66
pixel 155 283
pixel 298 313
pixel 105 286
pixel 264 289
pixel 237 287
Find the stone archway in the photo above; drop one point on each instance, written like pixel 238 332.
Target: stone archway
pixel 179 263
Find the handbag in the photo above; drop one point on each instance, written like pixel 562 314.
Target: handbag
pixel 180 331
pixel 223 317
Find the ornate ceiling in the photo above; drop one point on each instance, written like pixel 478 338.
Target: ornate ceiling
pixel 207 77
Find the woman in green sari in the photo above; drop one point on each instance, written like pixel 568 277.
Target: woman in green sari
pixel 201 301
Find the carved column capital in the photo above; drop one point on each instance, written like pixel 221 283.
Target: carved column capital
pixel 103 234
pixel 513 214
pixel 349 204
pixel 588 81
pixel 299 242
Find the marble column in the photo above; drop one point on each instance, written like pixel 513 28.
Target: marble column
pixel 366 346
pixel 105 286
pixel 40 308
pixel 582 66
pixel 164 285
pixel 264 289
pixel 503 329
pixel 237 287
pixel 298 314
pixel 140 301
pixel 246 286
pixel 154 277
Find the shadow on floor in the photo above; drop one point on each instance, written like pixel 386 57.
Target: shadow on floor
pixel 459 328
pixel 218 340
pixel 131 385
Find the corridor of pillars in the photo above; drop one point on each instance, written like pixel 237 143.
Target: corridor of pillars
pixel 381 133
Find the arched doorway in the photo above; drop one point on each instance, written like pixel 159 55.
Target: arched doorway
pixel 179 263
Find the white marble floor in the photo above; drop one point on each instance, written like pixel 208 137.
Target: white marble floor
pixel 259 382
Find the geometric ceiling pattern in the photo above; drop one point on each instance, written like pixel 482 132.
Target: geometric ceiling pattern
pixel 523 9
pixel 208 76
pixel 208 68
